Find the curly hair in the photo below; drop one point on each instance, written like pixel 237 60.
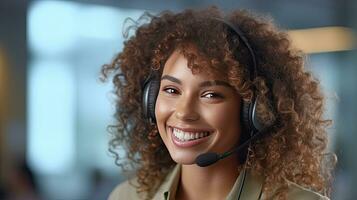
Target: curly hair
pixel 290 99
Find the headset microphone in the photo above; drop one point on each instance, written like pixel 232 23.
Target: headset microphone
pixel 209 158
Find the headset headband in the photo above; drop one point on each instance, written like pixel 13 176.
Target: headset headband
pixel 253 68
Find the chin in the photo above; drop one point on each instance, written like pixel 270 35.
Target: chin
pixel 183 159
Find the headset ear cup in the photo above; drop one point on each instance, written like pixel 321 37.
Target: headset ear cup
pixel 151 88
pixel 144 103
pixel 245 116
pixel 153 91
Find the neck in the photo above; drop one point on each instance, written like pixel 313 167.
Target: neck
pixel 211 182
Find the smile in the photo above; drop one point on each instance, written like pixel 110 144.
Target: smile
pixel 188 137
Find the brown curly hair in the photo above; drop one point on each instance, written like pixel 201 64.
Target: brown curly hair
pixel 290 98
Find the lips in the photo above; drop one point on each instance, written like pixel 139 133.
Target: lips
pixel 188 137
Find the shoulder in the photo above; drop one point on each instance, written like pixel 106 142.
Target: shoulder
pixel 125 190
pixel 297 192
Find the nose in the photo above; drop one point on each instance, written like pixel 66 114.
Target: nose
pixel 186 109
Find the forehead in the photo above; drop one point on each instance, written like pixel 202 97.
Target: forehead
pixel 178 63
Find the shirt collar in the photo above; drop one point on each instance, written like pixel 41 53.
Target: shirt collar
pixel 251 189
pixel 168 188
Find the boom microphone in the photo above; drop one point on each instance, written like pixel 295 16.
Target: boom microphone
pixel 206 159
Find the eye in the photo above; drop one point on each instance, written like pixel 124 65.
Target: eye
pixel 213 95
pixel 170 90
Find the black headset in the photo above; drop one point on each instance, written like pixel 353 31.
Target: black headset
pixel 249 117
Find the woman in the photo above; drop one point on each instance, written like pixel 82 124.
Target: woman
pixel 200 82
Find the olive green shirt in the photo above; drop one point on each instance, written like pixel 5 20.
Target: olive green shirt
pixel 251 189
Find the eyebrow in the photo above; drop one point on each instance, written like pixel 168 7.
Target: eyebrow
pixel 203 84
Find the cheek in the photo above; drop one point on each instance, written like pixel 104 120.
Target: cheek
pixel 225 118
pixel 162 109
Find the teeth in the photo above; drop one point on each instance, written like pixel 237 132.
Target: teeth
pixel 186 136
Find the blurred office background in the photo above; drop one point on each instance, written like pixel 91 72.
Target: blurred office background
pixel 54 110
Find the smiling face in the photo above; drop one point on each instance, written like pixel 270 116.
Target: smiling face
pixel 195 113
